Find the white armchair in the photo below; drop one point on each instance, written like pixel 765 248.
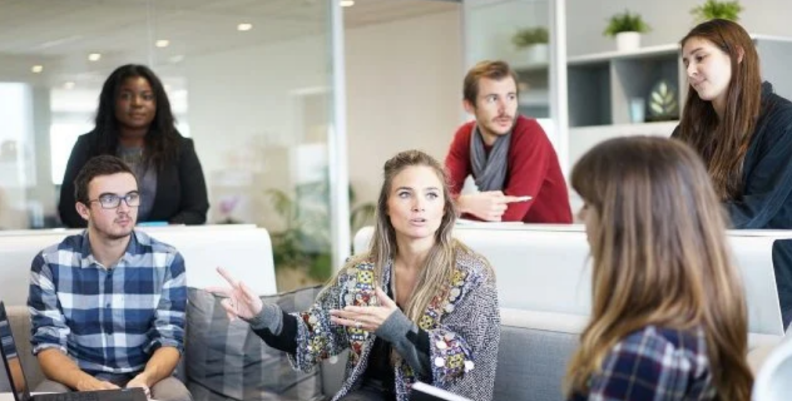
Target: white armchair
pixel 774 381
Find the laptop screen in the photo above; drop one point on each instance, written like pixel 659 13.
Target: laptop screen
pixel 11 361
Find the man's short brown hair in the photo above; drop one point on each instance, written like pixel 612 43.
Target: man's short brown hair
pixel 95 167
pixel 496 70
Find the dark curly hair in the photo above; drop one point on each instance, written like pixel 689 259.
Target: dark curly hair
pixel 161 143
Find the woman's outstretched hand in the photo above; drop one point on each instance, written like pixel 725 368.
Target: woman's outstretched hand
pixel 240 301
pixel 368 318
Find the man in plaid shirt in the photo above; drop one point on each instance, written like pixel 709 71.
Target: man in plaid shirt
pixel 107 305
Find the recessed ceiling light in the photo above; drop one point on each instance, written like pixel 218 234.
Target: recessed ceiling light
pixel 347 3
pixel 244 27
pixel 69 85
pixel 94 56
pixel 162 43
pixel 37 69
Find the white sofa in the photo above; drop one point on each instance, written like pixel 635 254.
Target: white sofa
pixel 545 268
pixel 544 288
pixel 244 250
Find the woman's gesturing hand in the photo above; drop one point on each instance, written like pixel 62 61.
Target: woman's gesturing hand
pixel 368 318
pixel 240 301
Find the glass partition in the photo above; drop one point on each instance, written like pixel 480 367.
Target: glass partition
pixel 518 32
pixel 251 83
pixel 530 36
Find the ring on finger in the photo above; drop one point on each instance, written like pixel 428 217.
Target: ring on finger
pixel 358 325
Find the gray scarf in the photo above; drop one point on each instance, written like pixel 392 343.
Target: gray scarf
pixel 489 172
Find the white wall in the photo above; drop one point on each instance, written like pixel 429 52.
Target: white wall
pixel 490 27
pixel 670 21
pixel 246 119
pixel 404 84
pixel 404 91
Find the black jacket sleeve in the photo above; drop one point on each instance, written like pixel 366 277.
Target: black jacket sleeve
pixel 286 340
pixel 66 205
pixel 194 200
pixel 675 134
pixel 768 179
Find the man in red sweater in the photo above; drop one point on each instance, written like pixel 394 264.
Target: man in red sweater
pixel 508 155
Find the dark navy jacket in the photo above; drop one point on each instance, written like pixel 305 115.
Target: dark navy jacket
pixel 766 201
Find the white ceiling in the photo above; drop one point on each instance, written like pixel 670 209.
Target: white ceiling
pixel 59 34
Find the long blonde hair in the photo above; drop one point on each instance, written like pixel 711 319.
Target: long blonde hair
pixel 659 257
pixel 441 260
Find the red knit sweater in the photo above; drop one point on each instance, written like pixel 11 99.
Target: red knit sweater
pixel 533 170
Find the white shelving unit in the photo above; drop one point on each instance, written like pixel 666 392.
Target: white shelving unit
pixel 534 84
pixel 601 85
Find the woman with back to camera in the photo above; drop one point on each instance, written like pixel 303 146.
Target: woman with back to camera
pixel 134 121
pixel 743 131
pixel 668 318
pixel 419 305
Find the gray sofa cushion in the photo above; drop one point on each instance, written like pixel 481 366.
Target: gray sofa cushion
pixel 532 363
pixel 226 360
pixel 19 318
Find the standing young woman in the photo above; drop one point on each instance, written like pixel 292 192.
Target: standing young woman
pixel 668 319
pixel 418 306
pixel 743 131
pixel 134 122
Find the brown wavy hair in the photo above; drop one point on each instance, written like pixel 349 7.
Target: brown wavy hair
pixel 723 142
pixel 659 257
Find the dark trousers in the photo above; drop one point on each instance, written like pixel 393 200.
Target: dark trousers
pixel 371 390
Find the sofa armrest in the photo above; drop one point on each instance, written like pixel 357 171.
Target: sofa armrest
pixel 19 318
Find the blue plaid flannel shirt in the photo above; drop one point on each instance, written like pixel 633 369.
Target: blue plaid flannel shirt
pixel 654 363
pixel 109 321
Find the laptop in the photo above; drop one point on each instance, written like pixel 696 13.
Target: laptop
pixel 424 392
pixel 19 385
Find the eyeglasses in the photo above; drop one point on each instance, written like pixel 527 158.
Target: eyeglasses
pixel 112 201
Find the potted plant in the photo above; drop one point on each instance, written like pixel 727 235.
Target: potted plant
pixel 713 9
pixel 302 251
pixel 532 44
pixel 627 29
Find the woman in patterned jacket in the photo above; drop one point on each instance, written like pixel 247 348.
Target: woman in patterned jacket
pixel 419 305
pixel 668 318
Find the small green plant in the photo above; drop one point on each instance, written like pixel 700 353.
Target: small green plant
pixel 713 9
pixel 626 22
pixel 530 36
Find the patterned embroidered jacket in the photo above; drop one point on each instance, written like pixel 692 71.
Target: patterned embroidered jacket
pixel 463 324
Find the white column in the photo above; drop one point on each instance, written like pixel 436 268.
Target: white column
pixel 559 111
pixel 337 142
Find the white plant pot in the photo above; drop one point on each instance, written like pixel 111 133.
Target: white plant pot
pixel 538 54
pixel 628 41
pixel 531 55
